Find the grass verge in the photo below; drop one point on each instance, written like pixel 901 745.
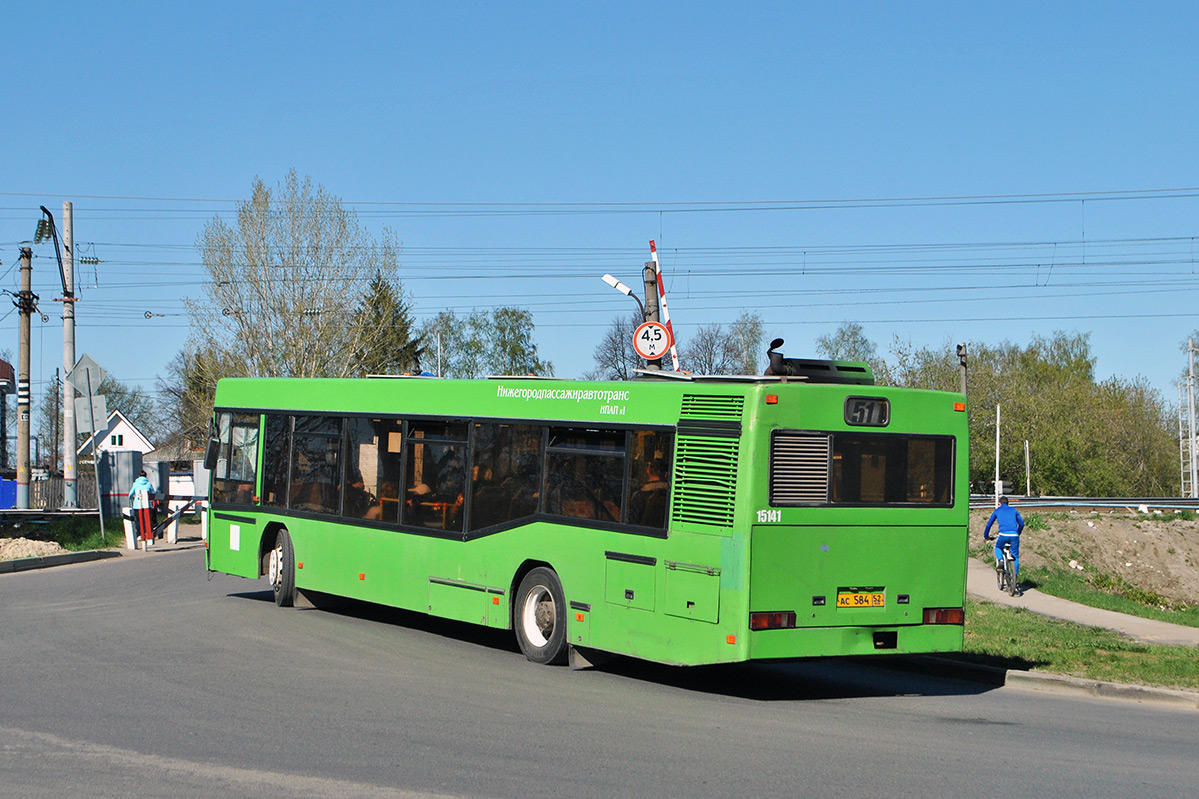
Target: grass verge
pixel 1110 593
pixel 1014 638
pixel 75 533
pixel 1097 590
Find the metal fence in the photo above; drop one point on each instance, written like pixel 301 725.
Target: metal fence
pixel 48 494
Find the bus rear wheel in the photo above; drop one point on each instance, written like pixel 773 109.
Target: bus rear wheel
pixel 541 617
pixel 281 570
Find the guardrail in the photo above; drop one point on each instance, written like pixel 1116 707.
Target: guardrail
pixel 1164 504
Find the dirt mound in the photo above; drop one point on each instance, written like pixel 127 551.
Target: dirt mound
pixel 1152 552
pixel 13 548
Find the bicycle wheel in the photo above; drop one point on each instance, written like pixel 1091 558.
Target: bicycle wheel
pixel 1001 578
pixel 1009 572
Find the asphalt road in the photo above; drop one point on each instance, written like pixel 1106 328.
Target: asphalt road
pixel 141 677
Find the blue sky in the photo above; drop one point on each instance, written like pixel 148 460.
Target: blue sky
pixel 778 152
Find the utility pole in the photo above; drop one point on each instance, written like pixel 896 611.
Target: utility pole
pixel 26 301
pixel 650 276
pixel 998 487
pixel 1191 403
pixel 70 460
pixel 962 363
pixel 1027 471
pixel 1182 450
pixel 55 418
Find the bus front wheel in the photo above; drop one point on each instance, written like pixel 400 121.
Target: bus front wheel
pixel 541 617
pixel 281 570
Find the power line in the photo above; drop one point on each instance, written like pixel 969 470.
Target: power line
pixel 712 205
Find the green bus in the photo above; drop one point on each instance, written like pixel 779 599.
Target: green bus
pixel 679 519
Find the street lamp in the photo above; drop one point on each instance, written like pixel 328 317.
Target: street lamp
pixel 623 289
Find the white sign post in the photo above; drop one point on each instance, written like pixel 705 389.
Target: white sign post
pixel 88 375
pixel 651 340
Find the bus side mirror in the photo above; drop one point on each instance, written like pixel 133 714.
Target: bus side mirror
pixel 212 451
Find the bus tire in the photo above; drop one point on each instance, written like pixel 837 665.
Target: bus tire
pixel 540 618
pixel 281 570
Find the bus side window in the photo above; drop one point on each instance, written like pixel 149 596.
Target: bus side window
pixel 649 478
pixel 506 475
pixel 585 477
pixel 274 462
pixel 372 470
pixel 236 472
pixel 316 444
pixel 436 477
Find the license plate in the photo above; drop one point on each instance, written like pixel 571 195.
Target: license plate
pixel 862 599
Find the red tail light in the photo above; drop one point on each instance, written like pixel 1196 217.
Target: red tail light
pixel 944 615
pixel 773 620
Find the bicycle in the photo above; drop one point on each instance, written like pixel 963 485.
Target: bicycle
pixel 1005 574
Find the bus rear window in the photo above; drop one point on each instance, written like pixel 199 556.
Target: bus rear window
pixel 853 468
pixel 885 469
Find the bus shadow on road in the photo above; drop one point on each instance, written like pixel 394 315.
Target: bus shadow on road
pixel 840 678
pixel 817 679
pixel 465 632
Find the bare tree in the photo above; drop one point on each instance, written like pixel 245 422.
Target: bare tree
pixel 716 351
pixel 276 304
pixel 615 358
pixel 707 352
pixel 744 347
pixel 186 394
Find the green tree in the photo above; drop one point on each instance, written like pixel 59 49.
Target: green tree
pixel 385 331
pixel 849 343
pixel 1086 438
pixel 455 346
pixel 511 350
pixel 275 304
pixel 497 343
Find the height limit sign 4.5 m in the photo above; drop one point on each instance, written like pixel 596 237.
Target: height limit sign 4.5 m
pixel 651 340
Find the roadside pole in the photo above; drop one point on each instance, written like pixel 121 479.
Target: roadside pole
pixel 70 459
pixel 962 363
pixel 650 277
pixel 1027 471
pixel 998 489
pixel 95 454
pixel 1191 448
pixel 25 304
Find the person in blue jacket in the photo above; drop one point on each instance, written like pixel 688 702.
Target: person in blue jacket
pixel 1009 524
pixel 141 498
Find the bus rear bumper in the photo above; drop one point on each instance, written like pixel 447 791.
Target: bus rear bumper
pixel 837 641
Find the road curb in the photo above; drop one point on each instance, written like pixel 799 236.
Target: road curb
pixel 993 675
pixel 46 561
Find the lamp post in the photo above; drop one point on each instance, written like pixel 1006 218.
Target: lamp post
pixel 46 229
pixel 623 289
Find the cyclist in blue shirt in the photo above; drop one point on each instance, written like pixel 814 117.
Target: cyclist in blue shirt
pixel 1010 525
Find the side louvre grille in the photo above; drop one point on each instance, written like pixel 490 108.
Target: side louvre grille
pixel 798 468
pixel 702 406
pixel 705 480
